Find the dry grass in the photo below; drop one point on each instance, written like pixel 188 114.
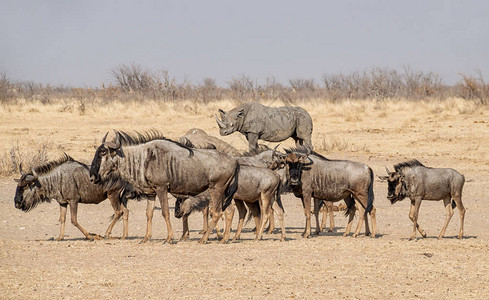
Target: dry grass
pixel 388 128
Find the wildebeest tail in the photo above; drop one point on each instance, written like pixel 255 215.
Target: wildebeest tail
pixel 350 205
pixel 454 204
pixel 370 200
pixel 231 189
pixel 278 198
pixel 255 204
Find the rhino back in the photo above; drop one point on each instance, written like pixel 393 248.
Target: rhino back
pixel 274 124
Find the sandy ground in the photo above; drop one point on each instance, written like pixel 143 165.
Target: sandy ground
pixel 456 135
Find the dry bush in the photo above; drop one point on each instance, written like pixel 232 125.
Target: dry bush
pixel 10 162
pixel 474 88
pixel 325 143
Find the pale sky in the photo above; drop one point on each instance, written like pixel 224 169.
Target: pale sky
pixel 78 43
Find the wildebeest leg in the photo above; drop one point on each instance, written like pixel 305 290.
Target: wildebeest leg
pixel 118 212
pixel 350 203
pixel 228 216
pixel 242 214
pixel 413 215
pixel 150 206
pixel 361 219
pixel 461 209
pixel 373 218
pixel 252 139
pixel 317 204
pixel 205 214
pixel 329 209
pixel 215 207
pixel 74 221
pixel 265 201
pixel 448 207
pixel 62 219
pixel 306 201
pixel 271 220
pixel 162 194
pixel 185 232
pixel 280 215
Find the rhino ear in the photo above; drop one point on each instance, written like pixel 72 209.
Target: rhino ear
pixel 240 113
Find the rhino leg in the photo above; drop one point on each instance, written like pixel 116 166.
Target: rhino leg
pixel 252 139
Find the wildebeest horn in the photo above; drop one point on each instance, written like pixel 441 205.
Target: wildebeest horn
pixel 34 173
pixel 103 140
pixel 274 151
pixel 116 144
pixel 219 122
pixel 20 169
pixel 387 170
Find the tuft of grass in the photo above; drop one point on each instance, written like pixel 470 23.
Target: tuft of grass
pixel 10 161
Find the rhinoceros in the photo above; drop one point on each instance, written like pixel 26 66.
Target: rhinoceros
pixel 272 124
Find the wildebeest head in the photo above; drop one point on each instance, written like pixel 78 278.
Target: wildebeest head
pixel 106 158
pixel 28 194
pixel 184 206
pixel 230 122
pixel 294 164
pixel 396 186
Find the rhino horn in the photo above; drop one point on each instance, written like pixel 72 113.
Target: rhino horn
pixel 219 122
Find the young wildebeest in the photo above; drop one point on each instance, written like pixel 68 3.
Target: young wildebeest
pixel 154 165
pixel 255 184
pixel 412 179
pixel 273 124
pixel 67 181
pixel 184 206
pixel 312 175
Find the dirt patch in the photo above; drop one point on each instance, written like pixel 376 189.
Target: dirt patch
pixel 34 266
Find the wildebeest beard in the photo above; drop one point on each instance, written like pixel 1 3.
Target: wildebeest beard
pixel 394 196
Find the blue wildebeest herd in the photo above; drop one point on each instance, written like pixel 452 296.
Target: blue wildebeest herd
pixel 206 174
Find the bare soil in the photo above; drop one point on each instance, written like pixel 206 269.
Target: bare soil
pixel 33 265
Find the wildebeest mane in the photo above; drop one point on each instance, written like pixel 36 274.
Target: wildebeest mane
pixel 408 164
pixel 303 150
pixel 51 165
pixel 254 152
pixel 138 138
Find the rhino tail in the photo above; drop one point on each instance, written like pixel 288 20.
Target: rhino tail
pixel 231 189
pixel 370 199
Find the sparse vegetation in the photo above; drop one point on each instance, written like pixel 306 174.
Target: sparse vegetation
pixel 134 83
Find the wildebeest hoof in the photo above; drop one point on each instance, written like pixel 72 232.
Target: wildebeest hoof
pixel 460 237
pixel 93 236
pixel 345 234
pixel 330 230
pixel 144 240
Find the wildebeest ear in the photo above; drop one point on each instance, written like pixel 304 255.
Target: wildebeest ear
pixel 383 178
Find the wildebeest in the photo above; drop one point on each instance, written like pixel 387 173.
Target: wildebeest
pixel 200 139
pixel 155 165
pixel 313 175
pixel 67 181
pixel 273 124
pixel 417 182
pixel 184 206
